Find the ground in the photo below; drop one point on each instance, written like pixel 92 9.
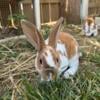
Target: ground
pixel 9 32
pixel 19 80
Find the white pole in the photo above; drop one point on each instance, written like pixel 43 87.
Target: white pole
pixel 84 9
pixel 11 14
pixel 21 7
pixel 37 13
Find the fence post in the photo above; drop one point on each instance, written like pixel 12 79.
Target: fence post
pixel 84 9
pixel 37 13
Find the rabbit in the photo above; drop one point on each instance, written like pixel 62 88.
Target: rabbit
pixel 90 27
pixel 58 56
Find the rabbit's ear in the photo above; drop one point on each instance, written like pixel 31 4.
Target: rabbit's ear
pixel 55 32
pixel 32 34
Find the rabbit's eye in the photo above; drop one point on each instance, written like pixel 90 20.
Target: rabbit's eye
pixel 40 61
pixel 57 60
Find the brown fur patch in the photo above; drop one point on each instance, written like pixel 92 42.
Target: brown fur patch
pixel 54 33
pixel 55 57
pixel 70 43
pixel 33 35
pixel 90 20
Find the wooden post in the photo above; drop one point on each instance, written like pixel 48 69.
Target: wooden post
pixel 0 20
pixel 12 20
pixel 37 13
pixel 21 7
pixel 84 9
pixel 50 12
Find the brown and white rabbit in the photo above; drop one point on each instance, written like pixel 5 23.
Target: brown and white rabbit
pixel 90 27
pixel 57 56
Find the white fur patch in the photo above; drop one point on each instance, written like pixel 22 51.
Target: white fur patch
pixel 63 57
pixel 63 64
pixel 46 41
pixel 73 63
pixel 61 47
pixel 49 59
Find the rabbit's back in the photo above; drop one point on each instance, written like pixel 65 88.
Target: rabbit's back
pixel 66 44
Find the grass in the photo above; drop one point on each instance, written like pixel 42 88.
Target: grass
pixel 19 81
pixel 84 86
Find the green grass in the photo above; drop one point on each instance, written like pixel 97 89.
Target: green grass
pixel 84 86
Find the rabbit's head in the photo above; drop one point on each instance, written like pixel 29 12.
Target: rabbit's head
pixel 47 60
pixel 89 27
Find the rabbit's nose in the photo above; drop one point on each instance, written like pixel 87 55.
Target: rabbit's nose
pixel 50 69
